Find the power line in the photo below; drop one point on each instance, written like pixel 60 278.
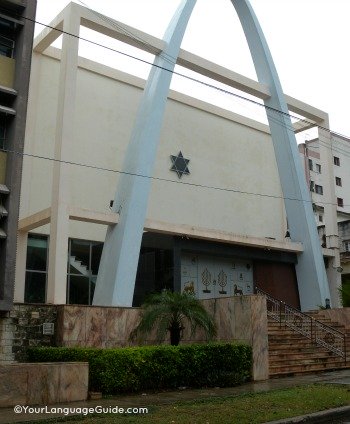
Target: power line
pixel 114 24
pixel 273 110
pixel 225 91
pixel 116 171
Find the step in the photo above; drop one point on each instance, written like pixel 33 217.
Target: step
pixel 333 324
pixel 323 318
pixel 288 362
pixel 300 356
pixel 303 372
pixel 299 336
pixel 286 350
pixel 306 368
pixel 288 338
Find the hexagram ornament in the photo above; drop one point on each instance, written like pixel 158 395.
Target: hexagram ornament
pixel 179 165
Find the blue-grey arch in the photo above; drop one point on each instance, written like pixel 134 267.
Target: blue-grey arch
pixel 310 269
pixel 118 267
pixel 117 273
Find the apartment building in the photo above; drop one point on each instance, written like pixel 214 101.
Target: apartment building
pixel 16 39
pixel 340 184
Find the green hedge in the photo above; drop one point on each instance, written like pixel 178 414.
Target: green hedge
pixel 133 369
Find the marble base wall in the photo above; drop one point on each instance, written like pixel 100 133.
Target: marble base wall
pixel 95 326
pixel 239 318
pixel 244 319
pixel 43 383
pixel 341 315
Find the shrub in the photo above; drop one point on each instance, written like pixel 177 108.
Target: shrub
pixel 132 369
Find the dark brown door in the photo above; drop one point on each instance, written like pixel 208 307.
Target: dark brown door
pixel 278 280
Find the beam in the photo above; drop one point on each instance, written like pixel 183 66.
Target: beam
pixel 85 215
pixel 146 42
pixel 221 74
pixel 221 236
pixel 36 220
pixel 301 125
pixel 50 33
pixel 111 218
pixel 119 31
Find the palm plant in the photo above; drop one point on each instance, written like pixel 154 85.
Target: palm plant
pixel 168 312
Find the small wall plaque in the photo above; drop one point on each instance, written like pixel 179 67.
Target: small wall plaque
pixel 48 328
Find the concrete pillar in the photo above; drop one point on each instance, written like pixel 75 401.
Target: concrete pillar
pixel 59 229
pixel 22 241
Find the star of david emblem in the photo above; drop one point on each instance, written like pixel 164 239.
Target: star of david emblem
pixel 179 165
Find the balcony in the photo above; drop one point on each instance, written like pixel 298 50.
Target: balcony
pixel 14 4
pixel 7 71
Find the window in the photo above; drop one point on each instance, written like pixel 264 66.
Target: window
pixel 340 202
pixel 36 269
pixel 7 36
pixel 6 46
pixel 320 218
pixel 318 189
pixel 318 168
pixel 312 185
pixel 155 270
pixel 347 245
pixel 338 181
pixel 336 161
pixel 310 165
pixel 2 130
pixel 83 261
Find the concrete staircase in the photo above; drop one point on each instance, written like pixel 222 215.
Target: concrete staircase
pixel 79 266
pixel 320 316
pixel 291 353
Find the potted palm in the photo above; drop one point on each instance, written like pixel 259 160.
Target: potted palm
pixel 169 312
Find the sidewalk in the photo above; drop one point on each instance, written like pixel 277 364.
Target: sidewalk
pixel 7 415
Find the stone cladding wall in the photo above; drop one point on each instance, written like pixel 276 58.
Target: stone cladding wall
pixel 23 327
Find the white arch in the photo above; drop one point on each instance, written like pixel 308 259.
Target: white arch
pixel 116 279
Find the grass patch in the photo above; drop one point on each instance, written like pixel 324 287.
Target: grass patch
pixel 250 408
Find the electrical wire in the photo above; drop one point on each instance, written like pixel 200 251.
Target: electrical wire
pixel 116 171
pixel 121 28
pixel 225 91
pixel 254 102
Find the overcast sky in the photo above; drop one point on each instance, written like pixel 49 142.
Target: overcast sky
pixel 308 39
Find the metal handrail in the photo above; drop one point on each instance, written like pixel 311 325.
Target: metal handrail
pixel 319 333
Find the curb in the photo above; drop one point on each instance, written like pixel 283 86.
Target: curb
pixel 318 417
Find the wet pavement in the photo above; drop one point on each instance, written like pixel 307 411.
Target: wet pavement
pixel 7 415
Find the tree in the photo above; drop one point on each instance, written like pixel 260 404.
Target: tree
pixel 344 293
pixel 168 312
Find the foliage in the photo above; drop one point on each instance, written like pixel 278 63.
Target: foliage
pixel 344 293
pixel 170 312
pixel 133 369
